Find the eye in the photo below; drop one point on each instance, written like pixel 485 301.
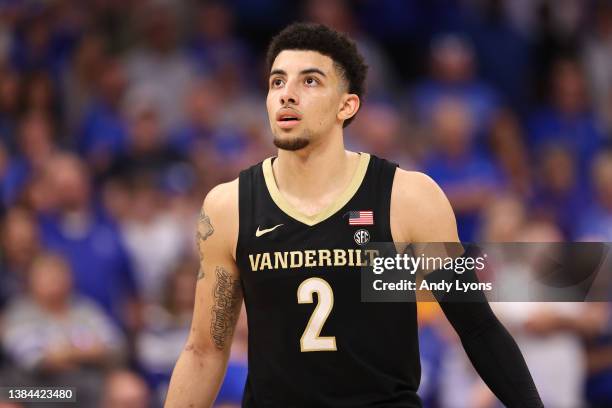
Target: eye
pixel 311 81
pixel 276 83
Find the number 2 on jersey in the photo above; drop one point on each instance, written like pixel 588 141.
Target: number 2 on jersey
pixel 311 341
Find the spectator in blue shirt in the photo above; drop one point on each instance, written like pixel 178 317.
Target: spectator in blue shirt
pixel 146 151
pixel 568 119
pixel 104 131
pixel 558 195
pixel 491 32
pixel 79 230
pixel 214 46
pixel 196 132
pixel 468 178
pixel 32 45
pixel 596 221
pixel 453 76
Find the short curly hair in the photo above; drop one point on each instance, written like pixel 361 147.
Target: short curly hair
pixel 322 39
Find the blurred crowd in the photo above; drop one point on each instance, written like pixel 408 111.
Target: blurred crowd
pixel 117 117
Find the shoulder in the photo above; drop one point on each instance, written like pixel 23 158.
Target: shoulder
pixel 420 211
pixel 410 185
pixel 219 214
pixel 222 198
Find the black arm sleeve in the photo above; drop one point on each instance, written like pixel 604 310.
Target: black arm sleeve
pixel 492 351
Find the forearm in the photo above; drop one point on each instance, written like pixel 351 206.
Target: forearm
pixel 196 378
pixel 499 362
pixel 492 351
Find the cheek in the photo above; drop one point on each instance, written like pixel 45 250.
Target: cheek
pixel 271 115
pixel 270 105
pixel 324 112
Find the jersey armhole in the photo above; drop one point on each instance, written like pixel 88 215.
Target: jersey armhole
pixel 387 175
pixel 244 217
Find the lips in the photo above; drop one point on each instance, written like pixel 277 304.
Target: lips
pixel 287 118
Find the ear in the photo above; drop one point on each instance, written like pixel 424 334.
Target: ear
pixel 349 105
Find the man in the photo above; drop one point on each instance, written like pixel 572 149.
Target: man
pixel 260 237
pixel 76 228
pixel 57 337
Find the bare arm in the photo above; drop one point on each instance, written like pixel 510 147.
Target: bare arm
pixel 201 366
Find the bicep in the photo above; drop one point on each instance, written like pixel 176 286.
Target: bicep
pixel 420 211
pixel 436 216
pixel 422 216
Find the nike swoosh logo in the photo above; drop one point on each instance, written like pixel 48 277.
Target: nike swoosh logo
pixel 259 232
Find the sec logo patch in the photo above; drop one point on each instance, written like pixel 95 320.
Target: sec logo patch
pixel 361 236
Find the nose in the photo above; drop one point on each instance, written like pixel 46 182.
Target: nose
pixel 288 96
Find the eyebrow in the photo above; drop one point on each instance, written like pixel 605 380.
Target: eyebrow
pixel 302 72
pixel 312 71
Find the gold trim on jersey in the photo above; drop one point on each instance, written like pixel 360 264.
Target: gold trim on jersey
pixel 340 202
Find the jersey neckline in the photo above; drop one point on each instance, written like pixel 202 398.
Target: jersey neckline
pixel 331 209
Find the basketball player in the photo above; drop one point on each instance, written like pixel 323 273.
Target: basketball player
pixel 285 231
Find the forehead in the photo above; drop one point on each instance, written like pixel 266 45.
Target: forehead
pixel 294 61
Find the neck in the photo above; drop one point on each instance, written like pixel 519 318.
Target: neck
pixel 315 171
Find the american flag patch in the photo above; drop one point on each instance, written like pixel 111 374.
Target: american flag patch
pixel 361 217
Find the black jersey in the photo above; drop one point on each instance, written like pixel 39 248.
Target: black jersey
pixel 312 342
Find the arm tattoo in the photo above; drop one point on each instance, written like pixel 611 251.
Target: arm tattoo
pixel 227 295
pixel 205 230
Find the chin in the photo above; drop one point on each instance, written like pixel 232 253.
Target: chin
pixel 291 143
